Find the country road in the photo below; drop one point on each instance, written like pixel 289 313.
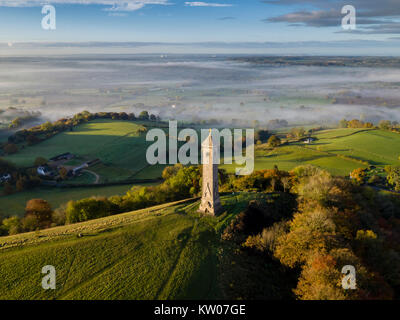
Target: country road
pixel 95 174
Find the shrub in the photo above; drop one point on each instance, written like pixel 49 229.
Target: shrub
pixel 274 141
pixel 171 171
pixel 358 175
pixel 30 223
pixel 87 209
pixel 21 184
pixel 267 240
pixel 58 217
pixel 261 135
pixel 12 225
pixel 393 177
pixel 40 161
pixel 374 179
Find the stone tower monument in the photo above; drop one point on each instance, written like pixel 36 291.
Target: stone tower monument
pixel 210 202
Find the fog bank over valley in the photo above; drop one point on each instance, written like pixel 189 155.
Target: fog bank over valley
pixel 233 91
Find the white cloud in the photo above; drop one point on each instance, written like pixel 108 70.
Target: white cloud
pixel 206 4
pixel 112 5
pixel 115 5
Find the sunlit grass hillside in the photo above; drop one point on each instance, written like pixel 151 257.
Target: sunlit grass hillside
pixel 164 252
pixel 338 151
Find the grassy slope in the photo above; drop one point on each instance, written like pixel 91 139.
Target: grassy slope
pixel 163 252
pixel 378 147
pixel 375 146
pixel 289 157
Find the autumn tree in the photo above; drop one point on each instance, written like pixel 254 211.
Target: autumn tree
pixel 385 124
pixel 355 123
pixel 40 161
pixel 21 184
pixel 171 171
pixel 144 115
pixel 297 133
pixel 12 225
pixel 358 175
pixel 63 173
pixel 30 223
pixel 309 232
pixel 261 135
pixel 47 126
pixel 41 210
pixel 393 177
pixel 321 277
pixel 343 123
pixel 274 141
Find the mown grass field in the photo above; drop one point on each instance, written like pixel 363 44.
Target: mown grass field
pixel 15 204
pixel 118 144
pixel 378 147
pixel 338 150
pixel 164 252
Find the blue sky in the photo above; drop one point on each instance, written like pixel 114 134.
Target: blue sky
pixel 190 21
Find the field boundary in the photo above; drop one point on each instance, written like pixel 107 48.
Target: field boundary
pixel 348 135
pixel 104 184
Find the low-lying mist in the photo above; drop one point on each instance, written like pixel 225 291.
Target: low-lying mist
pixel 199 89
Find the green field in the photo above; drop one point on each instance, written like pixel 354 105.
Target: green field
pixel 15 204
pixel 164 252
pixel 378 147
pixel 338 150
pixel 118 144
pixel 123 153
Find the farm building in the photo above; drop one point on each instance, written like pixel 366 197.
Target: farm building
pixel 309 140
pixel 64 156
pixel 44 171
pixel 78 169
pixel 93 162
pixel 6 177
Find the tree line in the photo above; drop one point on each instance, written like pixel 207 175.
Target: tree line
pixel 49 129
pixel 334 222
pixel 383 124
